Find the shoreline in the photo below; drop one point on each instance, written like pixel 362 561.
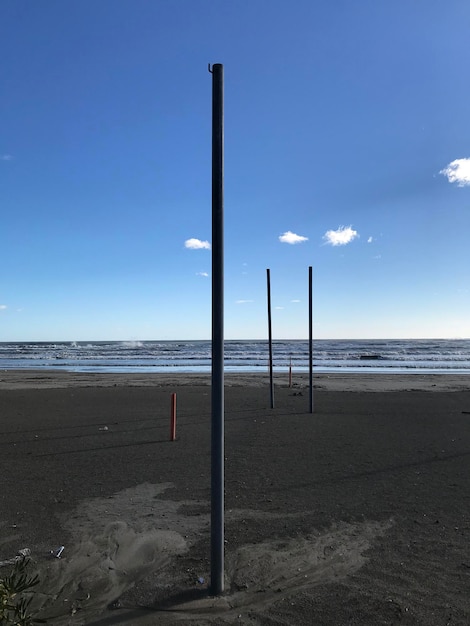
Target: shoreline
pixel 370 382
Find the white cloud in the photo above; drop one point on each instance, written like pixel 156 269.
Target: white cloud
pixel 279 308
pixel 197 244
pixel 370 240
pixel 243 301
pixel 6 157
pixel 295 300
pixel 292 238
pixel 340 237
pixel 458 171
pixel 205 274
pixel 3 307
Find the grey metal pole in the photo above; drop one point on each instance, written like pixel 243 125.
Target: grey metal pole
pixel 217 391
pixel 310 336
pixel 270 334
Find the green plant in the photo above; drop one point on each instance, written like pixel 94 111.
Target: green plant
pixel 14 606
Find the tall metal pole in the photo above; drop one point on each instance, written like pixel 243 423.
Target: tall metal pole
pixel 270 334
pixel 310 336
pixel 217 395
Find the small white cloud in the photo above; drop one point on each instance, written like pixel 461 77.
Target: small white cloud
pixel 340 237
pixel 279 308
pixel 205 274
pixel 378 256
pixel 458 171
pixel 370 240
pixel 197 244
pixel 292 238
pixel 3 307
pixel 295 300
pixel 243 301
pixel 6 157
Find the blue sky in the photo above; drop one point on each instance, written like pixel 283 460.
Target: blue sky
pixel 347 148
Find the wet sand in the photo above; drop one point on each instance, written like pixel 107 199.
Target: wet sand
pixel 50 379
pixel 357 514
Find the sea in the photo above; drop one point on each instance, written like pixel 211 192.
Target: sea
pixel 450 356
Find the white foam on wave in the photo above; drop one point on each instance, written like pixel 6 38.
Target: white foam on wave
pixel 132 344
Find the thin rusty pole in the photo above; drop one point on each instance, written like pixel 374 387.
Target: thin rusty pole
pixel 270 335
pixel 217 381
pixel 173 417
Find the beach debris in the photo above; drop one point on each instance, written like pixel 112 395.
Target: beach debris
pixel 75 607
pixel 201 580
pixel 103 428
pixel 57 553
pixel 24 552
pixel 20 555
pixel 113 606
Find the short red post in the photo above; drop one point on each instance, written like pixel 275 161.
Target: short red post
pixel 173 417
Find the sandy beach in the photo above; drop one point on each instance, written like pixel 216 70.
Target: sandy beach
pixel 357 514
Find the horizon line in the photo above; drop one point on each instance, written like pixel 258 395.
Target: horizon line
pixel 2 341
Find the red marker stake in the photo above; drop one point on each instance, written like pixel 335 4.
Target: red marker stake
pixel 173 417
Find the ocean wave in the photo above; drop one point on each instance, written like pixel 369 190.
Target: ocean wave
pixel 343 355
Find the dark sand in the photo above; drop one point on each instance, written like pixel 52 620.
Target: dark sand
pixel 358 514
